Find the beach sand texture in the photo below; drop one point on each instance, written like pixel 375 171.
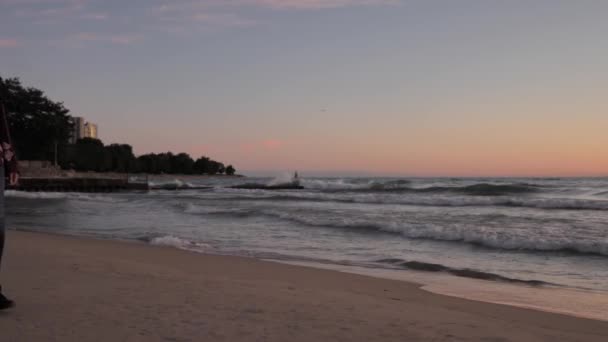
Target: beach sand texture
pixel 75 289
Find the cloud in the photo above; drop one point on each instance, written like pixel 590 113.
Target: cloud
pixel 317 4
pixel 94 16
pixel 121 39
pixel 8 43
pixel 45 8
pixel 199 14
pixel 223 19
pixel 149 17
pixel 272 144
pixel 274 4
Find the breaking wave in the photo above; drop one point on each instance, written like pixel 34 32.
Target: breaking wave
pixel 58 196
pixel 174 184
pixel 400 185
pixel 173 241
pixel 443 231
pixel 485 189
pixel 435 200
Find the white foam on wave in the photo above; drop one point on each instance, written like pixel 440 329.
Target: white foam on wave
pixel 35 195
pixel 499 239
pixel 59 195
pixel 333 184
pixel 542 239
pixel 282 179
pixel 176 242
pixel 443 200
pixel 171 183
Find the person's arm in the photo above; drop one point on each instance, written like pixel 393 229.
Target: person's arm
pixel 8 153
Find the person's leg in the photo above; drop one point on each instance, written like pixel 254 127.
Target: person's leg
pixel 1 213
pixel 4 302
pixel 1 241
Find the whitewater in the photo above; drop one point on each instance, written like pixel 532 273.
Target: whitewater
pixel 528 231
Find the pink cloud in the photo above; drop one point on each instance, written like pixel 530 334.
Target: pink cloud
pixel 272 144
pixel 8 43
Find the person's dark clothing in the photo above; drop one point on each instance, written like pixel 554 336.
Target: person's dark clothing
pixel 8 165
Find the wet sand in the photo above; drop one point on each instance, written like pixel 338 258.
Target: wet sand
pixel 75 289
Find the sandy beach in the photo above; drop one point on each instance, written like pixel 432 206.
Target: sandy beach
pixel 75 289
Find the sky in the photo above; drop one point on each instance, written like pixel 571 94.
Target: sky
pixel 369 87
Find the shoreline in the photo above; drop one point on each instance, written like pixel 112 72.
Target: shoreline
pixel 81 289
pixel 581 303
pixel 575 302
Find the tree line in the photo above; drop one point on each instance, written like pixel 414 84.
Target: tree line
pixel 92 155
pixel 41 130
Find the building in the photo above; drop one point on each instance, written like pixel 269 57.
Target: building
pixel 78 130
pixel 83 129
pixel 90 130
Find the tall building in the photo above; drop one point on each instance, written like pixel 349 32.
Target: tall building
pixel 90 130
pixel 78 130
pixel 83 129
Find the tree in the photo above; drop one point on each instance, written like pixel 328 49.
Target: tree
pixel 40 125
pixel 202 165
pixel 122 158
pixel 37 123
pixel 215 168
pixel 88 155
pixel 182 163
pixel 147 163
pixel 230 170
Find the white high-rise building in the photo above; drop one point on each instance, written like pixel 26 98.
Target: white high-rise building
pixel 90 130
pixel 83 129
pixel 78 130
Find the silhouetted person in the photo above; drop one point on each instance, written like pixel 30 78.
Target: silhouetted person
pixel 8 165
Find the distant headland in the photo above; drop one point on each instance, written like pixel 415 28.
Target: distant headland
pixel 43 130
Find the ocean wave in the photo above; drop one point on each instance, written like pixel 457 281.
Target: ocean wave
pixel 59 195
pixel 489 238
pixel 432 200
pixel 336 184
pixel 257 186
pixel 174 184
pixel 193 209
pixel 442 231
pixel 485 189
pixel 174 241
pixel 36 195
pixel 460 272
pixel 399 185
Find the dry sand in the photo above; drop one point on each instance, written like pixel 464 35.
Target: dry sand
pixel 73 289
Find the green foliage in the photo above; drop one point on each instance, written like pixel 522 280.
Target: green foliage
pixel 230 170
pixel 36 122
